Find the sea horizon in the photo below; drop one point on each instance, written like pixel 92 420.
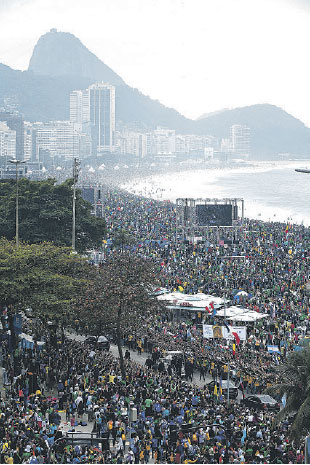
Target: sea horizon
pixel 272 190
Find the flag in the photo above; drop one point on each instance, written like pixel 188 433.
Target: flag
pixel 211 305
pixel 207 308
pixel 181 289
pixel 215 390
pixel 214 312
pixel 236 337
pixel 226 326
pixel 234 348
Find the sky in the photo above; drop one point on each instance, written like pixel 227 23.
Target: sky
pixel 197 56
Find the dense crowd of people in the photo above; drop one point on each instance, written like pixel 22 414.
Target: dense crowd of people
pixel 179 420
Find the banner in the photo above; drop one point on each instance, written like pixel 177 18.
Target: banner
pixel 272 349
pixel 221 332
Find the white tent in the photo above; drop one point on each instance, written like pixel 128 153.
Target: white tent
pixel 249 316
pixel 231 311
pixel 199 300
pixel 235 313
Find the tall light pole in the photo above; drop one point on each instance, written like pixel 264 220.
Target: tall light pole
pixel 76 164
pixel 16 163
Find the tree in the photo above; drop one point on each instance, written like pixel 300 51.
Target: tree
pixel 119 297
pixel 45 214
pixel 296 387
pixel 41 276
pixel 121 239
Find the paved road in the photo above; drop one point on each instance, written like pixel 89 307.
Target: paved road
pixel 142 358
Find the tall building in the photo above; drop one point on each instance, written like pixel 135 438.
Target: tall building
pixel 30 137
pixel 132 143
pixel 15 122
pixel 240 138
pixel 79 107
pixel 59 138
pixel 161 142
pixel 102 117
pixel 7 143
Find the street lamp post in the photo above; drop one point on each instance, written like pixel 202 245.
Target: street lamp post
pixel 75 179
pixel 16 163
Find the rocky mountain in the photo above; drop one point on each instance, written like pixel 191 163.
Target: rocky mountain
pixel 62 54
pixel 273 130
pixel 60 63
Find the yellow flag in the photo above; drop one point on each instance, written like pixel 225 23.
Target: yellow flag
pixel 181 289
pixel 215 390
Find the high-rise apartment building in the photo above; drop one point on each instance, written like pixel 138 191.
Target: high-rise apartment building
pixel 93 113
pixel 16 123
pixel 79 106
pixel 161 142
pixel 7 143
pixel 102 117
pixel 132 143
pixel 240 138
pixel 59 138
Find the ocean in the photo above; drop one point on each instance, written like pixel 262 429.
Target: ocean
pixel 272 191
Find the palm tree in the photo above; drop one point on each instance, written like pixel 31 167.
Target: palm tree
pixel 295 374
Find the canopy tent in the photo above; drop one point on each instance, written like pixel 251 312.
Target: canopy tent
pixel 199 300
pixel 231 311
pixel 249 316
pixel 235 313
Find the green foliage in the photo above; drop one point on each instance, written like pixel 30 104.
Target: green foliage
pixel 45 214
pixel 41 276
pixel 118 297
pixel 122 238
pixel 119 293
pixel 296 385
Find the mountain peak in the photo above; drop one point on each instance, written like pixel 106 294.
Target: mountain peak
pixel 62 54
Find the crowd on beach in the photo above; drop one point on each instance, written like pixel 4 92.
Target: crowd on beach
pixel 179 420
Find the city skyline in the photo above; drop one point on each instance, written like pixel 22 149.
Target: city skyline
pixel 197 57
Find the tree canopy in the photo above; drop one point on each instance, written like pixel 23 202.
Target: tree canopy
pixel 45 214
pixel 119 296
pixel 41 276
pixel 296 388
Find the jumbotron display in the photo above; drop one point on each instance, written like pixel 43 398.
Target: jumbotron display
pixel 214 215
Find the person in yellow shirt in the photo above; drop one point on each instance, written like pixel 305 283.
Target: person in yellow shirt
pixel 139 346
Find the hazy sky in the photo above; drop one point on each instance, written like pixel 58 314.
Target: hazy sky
pixel 197 56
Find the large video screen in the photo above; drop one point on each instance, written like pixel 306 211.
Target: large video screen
pixel 214 215
pixel 88 193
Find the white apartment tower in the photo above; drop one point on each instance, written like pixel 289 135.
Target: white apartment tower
pixel 79 107
pixel 7 141
pixel 240 138
pixel 59 138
